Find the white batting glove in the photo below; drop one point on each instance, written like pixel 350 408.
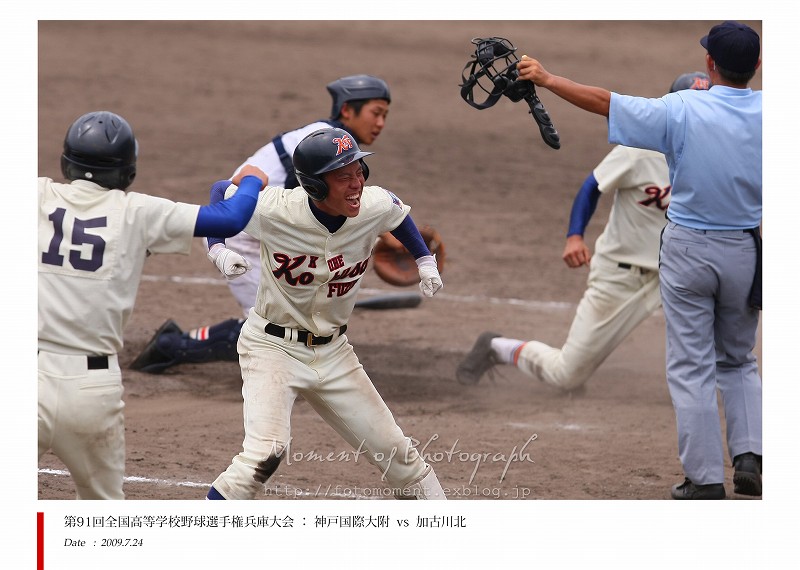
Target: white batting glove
pixel 429 279
pixel 229 263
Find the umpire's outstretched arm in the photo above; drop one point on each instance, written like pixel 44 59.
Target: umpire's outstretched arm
pixel 593 99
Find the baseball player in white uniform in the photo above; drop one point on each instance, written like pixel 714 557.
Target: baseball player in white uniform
pixel 360 105
pixel 316 241
pixel 623 285
pixel 93 241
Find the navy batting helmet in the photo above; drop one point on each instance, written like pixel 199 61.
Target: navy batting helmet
pixel 696 80
pixel 100 147
pixel 355 87
pixel 320 152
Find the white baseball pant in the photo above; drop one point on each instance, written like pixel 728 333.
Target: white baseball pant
pixel 331 378
pixel 614 303
pixel 81 420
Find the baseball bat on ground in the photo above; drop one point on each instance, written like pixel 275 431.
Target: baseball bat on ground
pixel 390 301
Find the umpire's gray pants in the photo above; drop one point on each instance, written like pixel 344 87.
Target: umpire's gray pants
pixel 711 331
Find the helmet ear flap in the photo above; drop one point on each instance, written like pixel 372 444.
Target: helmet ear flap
pixel 323 151
pixel 314 186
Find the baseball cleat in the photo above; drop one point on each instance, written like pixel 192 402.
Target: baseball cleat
pixel 478 361
pixel 151 360
pixel 688 490
pixel 747 475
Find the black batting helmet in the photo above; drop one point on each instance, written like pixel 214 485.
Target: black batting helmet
pixel 320 152
pixel 100 147
pixel 696 80
pixel 355 87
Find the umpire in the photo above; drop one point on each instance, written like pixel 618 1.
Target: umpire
pixel 710 260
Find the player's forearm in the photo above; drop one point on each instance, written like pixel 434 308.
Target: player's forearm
pixel 217 193
pixel 228 217
pixel 583 206
pixel 408 234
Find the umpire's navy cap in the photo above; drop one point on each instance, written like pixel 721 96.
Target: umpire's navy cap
pixel 733 46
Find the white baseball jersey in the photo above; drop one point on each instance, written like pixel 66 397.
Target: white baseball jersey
pixel 92 246
pixel 266 158
pixel 617 298
pixel 641 181
pixel 309 280
pixel 310 277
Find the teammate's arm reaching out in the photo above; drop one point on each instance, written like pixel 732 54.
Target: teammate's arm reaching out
pixel 227 217
pixel 576 253
pixel 218 214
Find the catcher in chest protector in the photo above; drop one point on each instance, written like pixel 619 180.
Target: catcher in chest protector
pixel 316 241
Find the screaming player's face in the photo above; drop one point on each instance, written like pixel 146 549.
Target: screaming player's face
pixel 345 186
pixel 367 123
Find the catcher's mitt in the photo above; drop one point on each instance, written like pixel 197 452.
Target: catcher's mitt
pixel 395 264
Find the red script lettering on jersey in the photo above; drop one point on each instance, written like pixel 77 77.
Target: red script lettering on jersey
pixel 335 263
pixel 287 265
pixel 340 288
pixel 656 196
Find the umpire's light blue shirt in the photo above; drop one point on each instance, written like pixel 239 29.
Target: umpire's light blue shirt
pixel 712 141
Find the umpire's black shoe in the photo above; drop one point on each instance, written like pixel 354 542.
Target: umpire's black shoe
pixel 747 474
pixel 151 360
pixel 688 490
pixel 478 361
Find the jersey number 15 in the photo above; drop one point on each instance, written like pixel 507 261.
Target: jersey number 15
pixel 79 237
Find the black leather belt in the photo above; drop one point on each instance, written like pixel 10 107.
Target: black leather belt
pixel 304 337
pixel 97 362
pixel 642 270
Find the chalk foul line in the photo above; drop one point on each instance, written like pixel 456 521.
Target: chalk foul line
pixel 467 299
pixel 282 489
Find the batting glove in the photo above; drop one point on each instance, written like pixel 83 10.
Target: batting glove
pixel 229 263
pixel 429 279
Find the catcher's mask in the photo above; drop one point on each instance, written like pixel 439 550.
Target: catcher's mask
pixel 100 147
pixel 320 152
pixel 493 70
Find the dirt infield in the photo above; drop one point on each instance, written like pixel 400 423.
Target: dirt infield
pixel 202 96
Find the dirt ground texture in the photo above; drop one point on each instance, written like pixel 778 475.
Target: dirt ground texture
pixel 202 96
